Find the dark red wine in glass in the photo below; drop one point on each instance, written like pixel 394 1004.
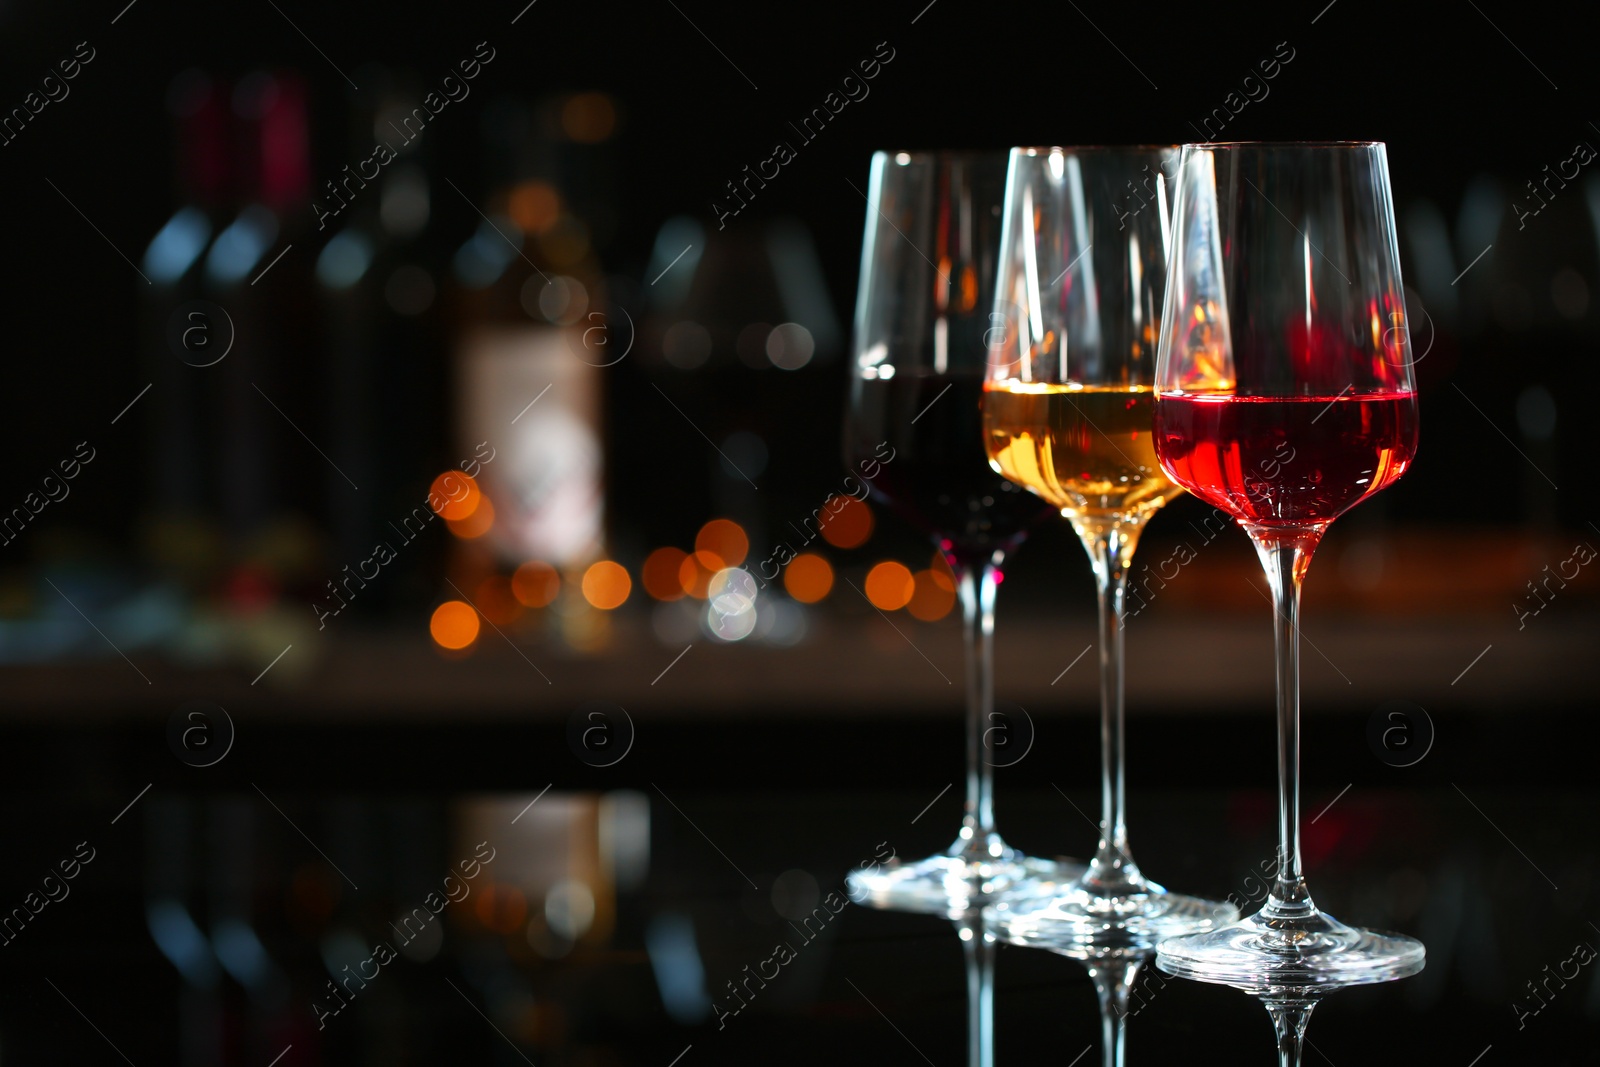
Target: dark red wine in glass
pixel 914 421
pixel 937 481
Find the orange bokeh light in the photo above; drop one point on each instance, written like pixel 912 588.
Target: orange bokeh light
pixel 502 908
pixel 846 522
pixel 588 118
pixel 535 584
pixel 606 584
pixel 660 573
pixel 533 206
pixel 890 586
pixel 808 578
pixel 454 624
pixel 933 594
pixel 477 524
pixel 724 539
pixel 457 494
pixel 496 601
pixel 696 571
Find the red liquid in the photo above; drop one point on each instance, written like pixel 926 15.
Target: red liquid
pixel 1286 461
pixel 939 480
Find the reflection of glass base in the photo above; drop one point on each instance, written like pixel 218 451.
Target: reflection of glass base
pixel 1263 955
pixel 947 885
pixel 1077 915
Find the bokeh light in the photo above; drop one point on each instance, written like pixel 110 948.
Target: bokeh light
pixel 696 572
pixel 790 346
pixel 606 584
pixel 725 539
pixel 780 622
pixel 731 612
pixel 566 242
pixel 478 523
pixel 458 495
pixel 890 586
pixel 502 908
pixel 588 118
pixel 846 522
pixel 535 584
pixel 561 300
pixel 569 908
pixel 686 345
pixel 808 578
pixel 496 601
pixel 751 346
pixel 659 575
pixel 534 206
pixel 454 624
pixel 933 594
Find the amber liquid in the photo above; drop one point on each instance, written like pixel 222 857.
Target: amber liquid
pixel 1089 450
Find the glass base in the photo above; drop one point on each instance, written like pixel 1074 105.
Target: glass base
pixel 1078 914
pixel 952 884
pixel 1263 954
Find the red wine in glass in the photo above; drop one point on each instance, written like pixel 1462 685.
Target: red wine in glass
pixel 1286 395
pixel 1286 461
pixel 939 479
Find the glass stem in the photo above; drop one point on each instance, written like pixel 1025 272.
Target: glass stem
pixel 979 952
pixel 1285 555
pixel 1111 551
pixel 976 587
pixel 1289 1019
pixel 1113 984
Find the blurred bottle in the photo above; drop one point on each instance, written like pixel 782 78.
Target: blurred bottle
pixel 182 337
pixel 255 1004
pixel 528 399
pixel 172 874
pixel 385 379
pixel 729 311
pixel 269 476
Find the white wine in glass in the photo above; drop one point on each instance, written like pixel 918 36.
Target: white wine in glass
pixel 1068 413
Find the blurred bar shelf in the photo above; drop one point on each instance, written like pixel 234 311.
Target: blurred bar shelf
pixel 848 666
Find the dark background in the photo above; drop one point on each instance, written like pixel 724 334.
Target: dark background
pixel 806 758
pixel 1455 102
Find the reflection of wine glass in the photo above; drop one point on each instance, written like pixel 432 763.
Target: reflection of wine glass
pixel 912 430
pixel 1291 1011
pixel 1285 397
pixel 1067 412
pixel 1290 1003
pixel 978 950
pixel 1113 972
pixel 1113 959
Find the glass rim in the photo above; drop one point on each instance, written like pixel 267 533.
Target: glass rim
pixel 1212 145
pixel 924 155
pixel 1034 150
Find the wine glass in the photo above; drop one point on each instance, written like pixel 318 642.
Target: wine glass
pixel 912 433
pixel 1068 407
pixel 1284 396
